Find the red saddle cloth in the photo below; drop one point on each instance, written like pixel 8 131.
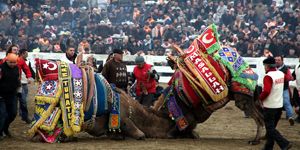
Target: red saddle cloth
pixel 47 69
pixel 188 90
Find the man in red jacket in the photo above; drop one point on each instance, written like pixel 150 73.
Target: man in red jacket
pixel 21 62
pixel 146 78
pixel 272 101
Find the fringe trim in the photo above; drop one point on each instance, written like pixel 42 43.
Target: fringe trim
pixel 249 83
pixel 194 83
pixel 66 124
pixel 215 97
pixel 50 100
pixel 44 116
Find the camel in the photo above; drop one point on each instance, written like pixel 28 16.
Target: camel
pixel 140 122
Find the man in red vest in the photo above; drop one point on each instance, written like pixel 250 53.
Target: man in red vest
pixel 146 80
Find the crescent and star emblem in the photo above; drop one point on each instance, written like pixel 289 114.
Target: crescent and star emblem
pixel 190 49
pixel 205 40
pixel 47 66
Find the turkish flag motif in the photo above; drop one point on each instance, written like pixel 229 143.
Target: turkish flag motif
pixel 207 38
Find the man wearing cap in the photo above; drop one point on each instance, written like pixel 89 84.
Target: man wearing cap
pixel 9 82
pixel 146 79
pixel 115 71
pixel 272 102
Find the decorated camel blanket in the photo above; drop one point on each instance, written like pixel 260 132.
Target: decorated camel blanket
pixel 60 100
pixel 204 66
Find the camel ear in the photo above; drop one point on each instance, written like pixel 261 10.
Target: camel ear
pixel 178 49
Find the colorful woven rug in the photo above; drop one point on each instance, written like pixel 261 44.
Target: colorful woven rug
pixel 101 95
pixel 248 78
pixel 176 114
pixel 49 91
pixel 114 117
pixel 51 136
pixel 50 123
pixel 42 111
pixel 239 69
pixel 232 60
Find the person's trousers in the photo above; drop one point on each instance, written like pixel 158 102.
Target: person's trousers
pixel 287 104
pixel 8 111
pixel 23 102
pixel 271 118
pixel 146 100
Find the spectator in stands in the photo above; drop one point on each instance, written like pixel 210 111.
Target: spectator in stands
pixel 70 55
pixel 146 78
pixel 76 21
pixel 286 95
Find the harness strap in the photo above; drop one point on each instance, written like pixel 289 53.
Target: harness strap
pixel 91 90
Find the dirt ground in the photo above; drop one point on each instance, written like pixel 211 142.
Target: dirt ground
pixel 226 129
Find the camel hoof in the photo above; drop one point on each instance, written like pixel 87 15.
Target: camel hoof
pixel 195 135
pixel 117 137
pixel 36 138
pixel 263 138
pixel 141 138
pixel 253 142
pixel 68 139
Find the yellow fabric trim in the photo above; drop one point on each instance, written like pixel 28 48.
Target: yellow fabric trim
pixel 44 116
pixel 53 125
pixel 192 68
pixel 66 98
pixel 192 81
pixel 51 100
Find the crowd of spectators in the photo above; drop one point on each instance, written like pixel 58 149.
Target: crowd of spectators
pixel 255 28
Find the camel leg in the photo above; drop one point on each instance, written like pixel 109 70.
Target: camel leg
pixel 132 130
pixel 247 105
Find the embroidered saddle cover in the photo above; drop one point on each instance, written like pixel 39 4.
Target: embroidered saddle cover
pixel 61 96
pixel 208 73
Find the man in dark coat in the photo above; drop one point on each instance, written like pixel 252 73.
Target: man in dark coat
pixel 9 82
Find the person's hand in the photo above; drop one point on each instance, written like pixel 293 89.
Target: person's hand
pixel 29 80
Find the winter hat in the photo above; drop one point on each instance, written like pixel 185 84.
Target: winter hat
pixel 269 61
pixel 11 57
pixel 139 59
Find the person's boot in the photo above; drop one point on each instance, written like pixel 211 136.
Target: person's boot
pixel 7 133
pixel 1 136
pixel 291 121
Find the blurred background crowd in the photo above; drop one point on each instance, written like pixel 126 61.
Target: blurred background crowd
pixel 254 27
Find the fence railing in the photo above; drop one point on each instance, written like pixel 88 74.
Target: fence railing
pixel 159 63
